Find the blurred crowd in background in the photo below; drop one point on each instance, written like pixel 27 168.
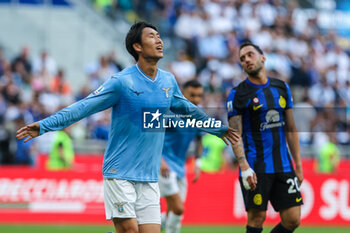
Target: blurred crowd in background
pixel 206 35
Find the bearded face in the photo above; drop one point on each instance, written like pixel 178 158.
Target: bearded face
pixel 251 60
pixel 254 69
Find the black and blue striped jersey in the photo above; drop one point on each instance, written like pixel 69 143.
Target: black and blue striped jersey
pixel 263 117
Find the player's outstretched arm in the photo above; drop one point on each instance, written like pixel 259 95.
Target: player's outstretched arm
pixel 28 132
pixel 104 97
pixel 293 144
pixel 248 175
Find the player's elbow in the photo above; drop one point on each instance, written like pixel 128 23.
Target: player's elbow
pixel 291 127
pixel 178 210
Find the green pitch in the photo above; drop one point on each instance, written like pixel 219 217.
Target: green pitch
pixel 185 229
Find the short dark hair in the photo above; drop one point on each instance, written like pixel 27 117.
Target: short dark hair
pixel 248 43
pixel 134 36
pixel 192 83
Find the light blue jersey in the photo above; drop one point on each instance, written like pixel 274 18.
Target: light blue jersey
pixel 176 143
pixel 131 153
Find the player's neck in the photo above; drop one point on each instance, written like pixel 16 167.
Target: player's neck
pixel 149 67
pixel 259 79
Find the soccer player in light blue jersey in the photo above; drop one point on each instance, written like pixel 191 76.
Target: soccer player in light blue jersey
pixel 172 179
pixel 132 158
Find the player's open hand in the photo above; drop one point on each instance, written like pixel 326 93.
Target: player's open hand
pixel 28 132
pixel 231 136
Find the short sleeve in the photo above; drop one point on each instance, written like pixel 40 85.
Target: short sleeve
pixel 289 97
pixel 231 109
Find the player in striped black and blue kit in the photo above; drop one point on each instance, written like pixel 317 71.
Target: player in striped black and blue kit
pixel 260 108
pixel 132 158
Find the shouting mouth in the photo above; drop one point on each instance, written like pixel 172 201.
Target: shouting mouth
pixel 159 48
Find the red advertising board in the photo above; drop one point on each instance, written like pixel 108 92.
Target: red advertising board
pixel 35 195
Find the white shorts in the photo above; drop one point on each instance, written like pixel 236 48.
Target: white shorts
pixel 129 199
pixel 171 185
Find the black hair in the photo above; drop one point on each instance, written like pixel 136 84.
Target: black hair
pixel 192 83
pixel 134 36
pixel 248 43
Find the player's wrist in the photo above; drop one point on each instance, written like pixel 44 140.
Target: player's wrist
pixel 243 165
pixel 298 166
pixel 248 172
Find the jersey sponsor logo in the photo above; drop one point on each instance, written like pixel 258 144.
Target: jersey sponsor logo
pixel 138 93
pixel 272 116
pixel 113 170
pixel 229 106
pixel 98 90
pixel 257 107
pixel 282 102
pixel 257 199
pixel 272 120
pixel 298 199
pixel 119 206
pixel 166 91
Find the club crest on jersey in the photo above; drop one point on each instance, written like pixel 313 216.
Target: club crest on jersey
pixel 282 102
pixel 166 91
pixel 98 90
pixel 255 100
pixel 119 206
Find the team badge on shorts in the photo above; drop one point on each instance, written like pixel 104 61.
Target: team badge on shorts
pixel 257 199
pixel 119 206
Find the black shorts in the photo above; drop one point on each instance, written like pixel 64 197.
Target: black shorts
pixel 281 189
